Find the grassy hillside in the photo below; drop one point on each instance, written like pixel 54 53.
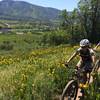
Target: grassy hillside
pixel 36 74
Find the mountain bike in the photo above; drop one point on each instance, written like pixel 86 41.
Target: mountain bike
pixel 70 91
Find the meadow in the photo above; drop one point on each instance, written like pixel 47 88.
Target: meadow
pixel 30 71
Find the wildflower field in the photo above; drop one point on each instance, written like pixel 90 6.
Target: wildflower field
pixel 38 74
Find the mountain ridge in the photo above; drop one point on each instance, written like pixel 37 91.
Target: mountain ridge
pixel 23 10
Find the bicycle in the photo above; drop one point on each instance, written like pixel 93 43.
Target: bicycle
pixel 70 91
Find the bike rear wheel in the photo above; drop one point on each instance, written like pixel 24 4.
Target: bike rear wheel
pixel 70 91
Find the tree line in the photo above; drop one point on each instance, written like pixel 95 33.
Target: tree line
pixel 83 21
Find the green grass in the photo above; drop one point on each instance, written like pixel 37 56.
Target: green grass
pixel 22 43
pixel 34 74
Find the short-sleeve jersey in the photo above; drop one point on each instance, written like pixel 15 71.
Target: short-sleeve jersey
pixel 86 55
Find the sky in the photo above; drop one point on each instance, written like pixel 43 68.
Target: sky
pixel 59 4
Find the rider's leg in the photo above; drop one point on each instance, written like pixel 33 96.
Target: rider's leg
pixel 79 64
pixel 88 71
pixel 88 77
pixel 77 68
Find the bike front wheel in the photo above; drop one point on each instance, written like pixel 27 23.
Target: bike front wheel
pixel 70 91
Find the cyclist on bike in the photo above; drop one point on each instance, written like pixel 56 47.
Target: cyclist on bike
pixel 87 58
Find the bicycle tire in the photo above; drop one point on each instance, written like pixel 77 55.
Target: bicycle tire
pixel 72 86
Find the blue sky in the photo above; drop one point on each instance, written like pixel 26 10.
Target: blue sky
pixel 59 4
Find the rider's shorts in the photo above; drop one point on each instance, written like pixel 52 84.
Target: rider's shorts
pixel 87 66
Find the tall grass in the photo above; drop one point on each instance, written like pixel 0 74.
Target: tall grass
pixel 37 74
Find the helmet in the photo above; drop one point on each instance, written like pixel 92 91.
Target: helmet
pixel 84 42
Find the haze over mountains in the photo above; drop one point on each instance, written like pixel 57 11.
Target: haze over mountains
pixel 20 10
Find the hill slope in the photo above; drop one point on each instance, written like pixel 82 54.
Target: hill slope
pixel 10 9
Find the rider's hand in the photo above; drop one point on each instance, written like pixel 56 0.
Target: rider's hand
pixel 66 64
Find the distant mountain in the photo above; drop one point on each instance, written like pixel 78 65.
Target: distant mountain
pixel 10 9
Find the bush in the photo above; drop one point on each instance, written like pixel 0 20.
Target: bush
pixel 93 92
pixel 6 45
pixel 55 38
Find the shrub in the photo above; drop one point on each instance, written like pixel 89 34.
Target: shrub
pixel 6 45
pixel 55 38
pixel 93 92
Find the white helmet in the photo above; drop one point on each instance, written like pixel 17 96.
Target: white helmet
pixel 84 42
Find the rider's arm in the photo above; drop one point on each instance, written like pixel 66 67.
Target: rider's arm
pixel 93 55
pixel 93 59
pixel 74 55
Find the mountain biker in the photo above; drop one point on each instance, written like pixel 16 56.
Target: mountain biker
pixel 87 58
